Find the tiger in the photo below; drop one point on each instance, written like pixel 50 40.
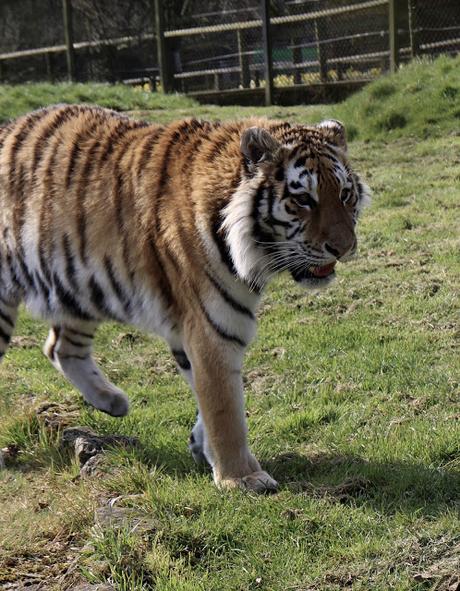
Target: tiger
pixel 174 229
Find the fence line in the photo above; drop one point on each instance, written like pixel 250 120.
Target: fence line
pixel 276 20
pixel 308 48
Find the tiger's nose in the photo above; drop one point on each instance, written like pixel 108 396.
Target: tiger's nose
pixel 342 251
pixel 332 250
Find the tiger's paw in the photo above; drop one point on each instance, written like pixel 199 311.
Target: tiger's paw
pixel 259 482
pixel 113 402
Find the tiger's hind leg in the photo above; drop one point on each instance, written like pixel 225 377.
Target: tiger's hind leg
pixel 8 315
pixel 70 351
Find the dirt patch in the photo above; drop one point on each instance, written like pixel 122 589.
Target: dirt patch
pixel 49 568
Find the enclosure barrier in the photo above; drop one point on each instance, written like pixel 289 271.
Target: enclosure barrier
pixel 297 45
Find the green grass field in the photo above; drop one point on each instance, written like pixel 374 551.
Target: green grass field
pixel 352 397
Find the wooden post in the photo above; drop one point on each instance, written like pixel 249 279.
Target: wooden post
pixel 164 55
pixel 68 35
pixel 245 78
pixel 268 58
pixel 396 14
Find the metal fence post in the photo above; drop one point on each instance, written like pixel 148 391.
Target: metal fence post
pixel 68 34
pixel 395 18
pixel 413 32
pixel 164 56
pixel 297 58
pixel 245 77
pixel 268 58
pixel 320 34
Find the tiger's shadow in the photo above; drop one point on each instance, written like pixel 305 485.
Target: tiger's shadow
pixel 390 487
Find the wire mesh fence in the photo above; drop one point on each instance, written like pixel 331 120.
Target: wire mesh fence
pixel 434 27
pixel 218 46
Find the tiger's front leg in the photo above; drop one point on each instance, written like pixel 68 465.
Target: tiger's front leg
pixel 218 386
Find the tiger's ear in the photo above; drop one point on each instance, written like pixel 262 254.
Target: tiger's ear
pixel 334 132
pixel 258 145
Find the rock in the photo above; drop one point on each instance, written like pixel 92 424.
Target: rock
pixel 93 466
pixel 87 444
pixel 8 454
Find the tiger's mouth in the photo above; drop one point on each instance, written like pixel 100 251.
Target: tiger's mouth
pixel 319 273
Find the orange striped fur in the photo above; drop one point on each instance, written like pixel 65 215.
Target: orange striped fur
pixel 175 229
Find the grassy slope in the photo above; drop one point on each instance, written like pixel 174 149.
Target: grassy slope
pixel 352 399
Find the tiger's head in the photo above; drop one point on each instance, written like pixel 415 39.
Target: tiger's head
pixel 297 205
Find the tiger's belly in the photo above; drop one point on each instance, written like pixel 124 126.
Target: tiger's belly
pixel 60 286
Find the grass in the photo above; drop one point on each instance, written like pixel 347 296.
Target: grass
pixel 352 398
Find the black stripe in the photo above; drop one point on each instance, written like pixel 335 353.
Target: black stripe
pixel 68 301
pixel 14 276
pixel 165 285
pixel 221 243
pixel 279 174
pixel 229 299
pixel 19 219
pixel 97 296
pixel 299 162
pixel 259 233
pixel 118 290
pixel 19 139
pixel 120 129
pixel 164 174
pixel 272 219
pixel 73 159
pixel 81 195
pixel 217 148
pixel 43 264
pixel 147 149
pixel 5 336
pixel 79 333
pixel 295 185
pixel 82 357
pixel 45 238
pixel 294 233
pixel 42 141
pixel 75 343
pixel 182 360
pixel 25 271
pixel 44 288
pixel 69 262
pixel 6 319
pixel 220 331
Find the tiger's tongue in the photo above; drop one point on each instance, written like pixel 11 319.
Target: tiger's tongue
pixel 322 271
